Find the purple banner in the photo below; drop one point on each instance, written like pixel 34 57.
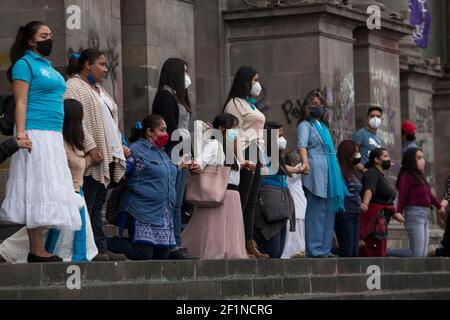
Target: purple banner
pixel 421 21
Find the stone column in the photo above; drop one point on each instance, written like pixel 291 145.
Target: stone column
pixel 417 105
pixel 209 56
pixel 100 29
pixel 377 79
pixel 153 31
pixel 441 113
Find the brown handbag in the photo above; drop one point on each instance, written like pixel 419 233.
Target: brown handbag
pixel 209 188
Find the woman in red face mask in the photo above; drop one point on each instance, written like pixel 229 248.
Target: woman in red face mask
pixel 148 202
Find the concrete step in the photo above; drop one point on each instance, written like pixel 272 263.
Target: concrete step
pixel 305 287
pixel 200 280
pixel 39 275
pixel 434 294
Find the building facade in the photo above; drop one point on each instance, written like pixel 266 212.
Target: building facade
pixel 297 46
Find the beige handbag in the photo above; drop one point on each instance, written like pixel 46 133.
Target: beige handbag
pixel 209 188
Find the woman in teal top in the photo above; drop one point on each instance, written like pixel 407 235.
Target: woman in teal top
pixel 39 192
pixel 324 186
pixel 271 236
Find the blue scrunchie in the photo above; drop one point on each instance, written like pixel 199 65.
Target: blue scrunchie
pixel 75 56
pixel 138 126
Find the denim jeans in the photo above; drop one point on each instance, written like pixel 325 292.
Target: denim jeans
pixel 417 225
pixel 95 195
pixel 319 226
pixel 180 187
pixel 273 247
pixel 347 233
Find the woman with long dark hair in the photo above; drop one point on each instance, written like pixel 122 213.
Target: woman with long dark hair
pixel 39 192
pixel 271 233
pixel 377 207
pixel 415 200
pixel 87 70
pixel 347 222
pixel 218 233
pixel 241 104
pixel 71 246
pixel 173 104
pixel 324 186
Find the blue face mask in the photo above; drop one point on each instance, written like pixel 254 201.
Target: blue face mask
pixel 232 135
pixel 91 79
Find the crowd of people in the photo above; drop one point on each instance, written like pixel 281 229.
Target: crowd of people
pixel 254 198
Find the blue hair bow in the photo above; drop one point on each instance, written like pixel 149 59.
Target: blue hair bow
pixel 75 56
pixel 138 126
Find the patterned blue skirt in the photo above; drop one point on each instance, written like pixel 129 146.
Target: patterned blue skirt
pixel 157 235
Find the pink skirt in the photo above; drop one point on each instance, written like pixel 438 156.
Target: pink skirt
pixel 217 233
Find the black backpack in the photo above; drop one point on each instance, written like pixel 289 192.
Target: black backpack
pixel 8 110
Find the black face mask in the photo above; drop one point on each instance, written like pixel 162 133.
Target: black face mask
pixel 45 47
pixel 356 161
pixel 318 112
pixel 386 165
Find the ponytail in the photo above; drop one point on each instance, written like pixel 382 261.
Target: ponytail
pixel 24 35
pixel 77 61
pixel 376 153
pixel 140 129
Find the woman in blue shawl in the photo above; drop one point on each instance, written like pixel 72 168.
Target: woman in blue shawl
pixel 324 186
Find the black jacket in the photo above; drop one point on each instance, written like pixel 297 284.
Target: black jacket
pixel 7 149
pixel 166 106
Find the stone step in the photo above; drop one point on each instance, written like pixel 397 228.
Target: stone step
pixel 434 294
pixel 304 287
pixel 224 279
pixel 36 275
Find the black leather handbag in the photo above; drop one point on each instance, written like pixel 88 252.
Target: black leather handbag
pixel 276 204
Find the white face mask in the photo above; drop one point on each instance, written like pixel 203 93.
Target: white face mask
pixel 282 143
pixel 375 123
pixel 256 90
pixel 187 81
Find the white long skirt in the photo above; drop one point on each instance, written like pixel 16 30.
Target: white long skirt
pixel 39 192
pixel 15 249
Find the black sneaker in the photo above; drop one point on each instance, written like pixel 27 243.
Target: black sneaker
pixel 36 259
pixel 181 254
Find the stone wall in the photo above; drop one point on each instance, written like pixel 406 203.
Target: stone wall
pixel 153 31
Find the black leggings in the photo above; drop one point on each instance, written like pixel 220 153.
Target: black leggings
pixel 249 190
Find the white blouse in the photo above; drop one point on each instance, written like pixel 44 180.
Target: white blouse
pixel 212 155
pixel 112 133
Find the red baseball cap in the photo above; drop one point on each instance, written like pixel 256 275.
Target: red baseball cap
pixel 409 127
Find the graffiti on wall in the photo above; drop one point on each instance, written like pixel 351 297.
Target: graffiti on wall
pixel 385 85
pixel 424 120
pixel 340 100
